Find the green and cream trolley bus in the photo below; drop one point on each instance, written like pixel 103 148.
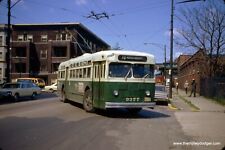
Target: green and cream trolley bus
pixel 109 79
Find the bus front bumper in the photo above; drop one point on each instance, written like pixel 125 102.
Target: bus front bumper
pixel 129 105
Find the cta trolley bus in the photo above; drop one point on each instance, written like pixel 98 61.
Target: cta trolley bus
pixel 109 79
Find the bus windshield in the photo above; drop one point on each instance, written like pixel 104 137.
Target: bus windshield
pixel 127 70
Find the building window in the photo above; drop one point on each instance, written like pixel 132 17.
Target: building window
pixel 55 67
pixel 44 38
pixel 1 72
pixel 59 51
pixel 63 36
pixel 43 67
pixel 1 40
pixel 43 54
pixel 20 67
pixel 58 37
pixel 20 38
pixel 1 55
pixel 20 52
pixel 30 38
pixel 68 37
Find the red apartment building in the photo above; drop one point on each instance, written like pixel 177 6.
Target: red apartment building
pixel 196 67
pixel 38 49
pixel 191 67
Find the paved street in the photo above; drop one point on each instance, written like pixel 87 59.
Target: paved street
pixel 47 123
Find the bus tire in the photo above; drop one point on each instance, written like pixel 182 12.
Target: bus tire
pixel 87 101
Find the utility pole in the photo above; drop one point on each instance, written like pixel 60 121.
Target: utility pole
pixel 8 43
pixel 164 64
pixel 8 52
pixel 171 50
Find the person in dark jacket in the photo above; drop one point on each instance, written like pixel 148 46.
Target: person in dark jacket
pixel 193 88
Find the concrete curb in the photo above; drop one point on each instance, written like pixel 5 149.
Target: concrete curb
pixel 172 107
pixel 193 106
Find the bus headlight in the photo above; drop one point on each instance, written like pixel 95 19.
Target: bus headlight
pixel 147 93
pixel 115 93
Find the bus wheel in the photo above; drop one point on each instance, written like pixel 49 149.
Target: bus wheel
pixel 63 97
pixel 134 110
pixel 87 101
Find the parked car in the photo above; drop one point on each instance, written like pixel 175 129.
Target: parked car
pixel 19 89
pixel 161 93
pixel 38 81
pixel 50 88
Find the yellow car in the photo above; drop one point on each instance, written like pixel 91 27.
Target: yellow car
pixel 38 81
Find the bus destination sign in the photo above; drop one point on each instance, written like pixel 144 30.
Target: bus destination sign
pixel 132 58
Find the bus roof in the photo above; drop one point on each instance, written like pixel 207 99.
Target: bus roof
pixel 109 55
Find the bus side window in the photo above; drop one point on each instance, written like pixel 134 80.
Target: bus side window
pixel 80 73
pixel 88 72
pixel 96 71
pixel 85 73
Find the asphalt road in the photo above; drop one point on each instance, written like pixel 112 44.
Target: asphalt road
pixel 47 123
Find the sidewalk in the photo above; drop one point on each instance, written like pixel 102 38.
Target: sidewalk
pixel 200 102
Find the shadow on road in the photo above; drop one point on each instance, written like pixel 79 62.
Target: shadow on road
pixel 123 113
pixel 43 95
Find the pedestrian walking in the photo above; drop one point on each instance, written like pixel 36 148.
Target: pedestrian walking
pixel 193 88
pixel 186 85
pixel 177 84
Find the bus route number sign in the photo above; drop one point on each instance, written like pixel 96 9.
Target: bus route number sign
pixel 132 58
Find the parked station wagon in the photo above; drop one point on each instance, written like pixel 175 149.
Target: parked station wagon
pixel 19 89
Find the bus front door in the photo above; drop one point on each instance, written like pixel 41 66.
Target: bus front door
pixel 98 74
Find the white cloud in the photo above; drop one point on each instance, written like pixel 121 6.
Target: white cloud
pixel 81 2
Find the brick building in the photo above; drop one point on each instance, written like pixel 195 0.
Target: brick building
pixel 197 67
pixel 192 67
pixel 38 49
pixel 3 35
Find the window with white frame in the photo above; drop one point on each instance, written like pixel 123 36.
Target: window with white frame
pixel 43 54
pixel 20 37
pixel 68 37
pixel 58 37
pixel 30 38
pixel 44 38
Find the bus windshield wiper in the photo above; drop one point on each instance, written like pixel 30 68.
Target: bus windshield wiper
pixel 128 73
pixel 145 76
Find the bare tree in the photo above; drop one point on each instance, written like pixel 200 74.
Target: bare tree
pixel 204 27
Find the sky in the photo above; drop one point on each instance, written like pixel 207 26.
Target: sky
pixel 131 23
